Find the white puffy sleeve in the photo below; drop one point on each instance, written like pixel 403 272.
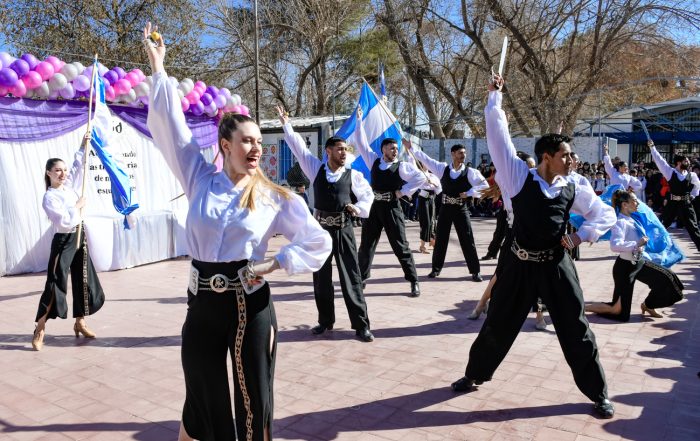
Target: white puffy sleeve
pixel 618 238
pixel 363 192
pixel 61 216
pixel 599 217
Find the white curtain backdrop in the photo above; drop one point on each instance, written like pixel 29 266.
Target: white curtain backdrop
pixel 26 231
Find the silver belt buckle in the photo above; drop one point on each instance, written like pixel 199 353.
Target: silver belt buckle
pixel 330 221
pixel 522 254
pixel 194 280
pixel 218 283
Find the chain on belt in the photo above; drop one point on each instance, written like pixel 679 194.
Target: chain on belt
pixel 533 256
pixel 386 196
pixel 449 200
pixel 330 219
pixel 218 283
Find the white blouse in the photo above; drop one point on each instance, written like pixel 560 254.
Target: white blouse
pixel 624 179
pixel 218 229
pixel 624 238
pixel 476 179
pixel 59 204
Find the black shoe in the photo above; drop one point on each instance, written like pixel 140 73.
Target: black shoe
pixel 488 257
pixel 465 384
pixel 415 289
pixel 365 335
pixel 477 277
pixel 604 408
pixel 434 273
pixel 320 329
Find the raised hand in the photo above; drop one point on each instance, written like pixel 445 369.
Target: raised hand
pixel 156 54
pixel 605 150
pixel 282 114
pixel 650 143
pixel 496 82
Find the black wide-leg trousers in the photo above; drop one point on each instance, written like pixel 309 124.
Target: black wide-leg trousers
pixel 459 216
pixel 513 295
pixel 686 213
pixel 386 215
pixel 426 218
pixel 345 253
pixel 499 233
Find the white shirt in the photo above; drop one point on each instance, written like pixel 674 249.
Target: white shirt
pixel 408 171
pixel 667 171
pixel 513 172
pixel 218 229
pixel 59 204
pixel 624 238
pixel 624 179
pixel 311 165
pixel 476 179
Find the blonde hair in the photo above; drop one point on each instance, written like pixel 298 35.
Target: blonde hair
pixel 227 125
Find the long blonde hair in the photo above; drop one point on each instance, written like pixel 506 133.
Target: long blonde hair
pixel 227 125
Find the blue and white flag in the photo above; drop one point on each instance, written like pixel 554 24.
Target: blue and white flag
pixel 101 129
pixel 378 121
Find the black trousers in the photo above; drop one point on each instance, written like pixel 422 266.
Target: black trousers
pixel 575 252
pixel 499 233
pixel 243 327
pixel 389 217
pixel 345 253
pixel 666 288
pixel 459 216
pixel 686 213
pixel 557 283
pixel 88 296
pixel 426 217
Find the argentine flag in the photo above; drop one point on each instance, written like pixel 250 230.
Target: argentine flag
pixel 379 123
pixel 101 129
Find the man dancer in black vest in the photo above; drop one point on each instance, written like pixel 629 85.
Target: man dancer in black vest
pixel 684 186
pixel 537 263
pixel 332 186
pixel 458 183
pixel 391 180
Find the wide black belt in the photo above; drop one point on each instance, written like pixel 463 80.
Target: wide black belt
pixel 218 277
pixel 335 219
pixel 426 194
pixel 449 200
pixel 534 256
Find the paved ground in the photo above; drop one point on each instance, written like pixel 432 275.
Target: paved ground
pixel 127 384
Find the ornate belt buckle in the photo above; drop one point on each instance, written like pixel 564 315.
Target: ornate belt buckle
pixel 522 254
pixel 218 283
pixel 329 220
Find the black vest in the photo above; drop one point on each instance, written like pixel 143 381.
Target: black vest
pixel 332 196
pixel 539 222
pixel 386 180
pixel 678 187
pixel 453 187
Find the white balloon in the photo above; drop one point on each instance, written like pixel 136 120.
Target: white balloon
pixel 225 92
pixel 180 93
pixel 186 85
pixel 57 82
pixel 70 71
pixel 142 89
pixel 236 99
pixel 79 66
pixel 43 90
pixel 129 97
pixel 101 69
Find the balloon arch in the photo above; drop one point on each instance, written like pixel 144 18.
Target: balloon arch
pixel 28 77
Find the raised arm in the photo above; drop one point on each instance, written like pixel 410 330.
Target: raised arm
pixel 665 169
pixel 74 179
pixel 309 163
pixel 607 163
pixel 512 169
pixel 167 125
pixel 436 167
pixel 368 155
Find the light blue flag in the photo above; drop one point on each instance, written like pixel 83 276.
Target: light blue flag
pixel 379 123
pixel 661 249
pixel 101 129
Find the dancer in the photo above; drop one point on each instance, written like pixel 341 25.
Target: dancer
pixel 232 215
pixel 68 253
pixel 537 263
pixel 628 238
pixel 426 209
pixel 459 182
pixel 494 193
pixel 619 173
pixel 334 187
pixel 391 180
pixel 684 187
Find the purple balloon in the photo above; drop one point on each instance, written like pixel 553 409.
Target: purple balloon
pixel 212 90
pixel 206 99
pixel 31 59
pixel 8 77
pixel 21 67
pixel 6 59
pixel 220 101
pixel 81 83
pixel 197 108
pixel 68 92
pixel 120 72
pixel 111 76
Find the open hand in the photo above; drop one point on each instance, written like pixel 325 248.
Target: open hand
pixel 282 114
pixel 605 150
pixel 156 54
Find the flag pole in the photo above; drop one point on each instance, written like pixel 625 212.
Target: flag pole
pixel 86 142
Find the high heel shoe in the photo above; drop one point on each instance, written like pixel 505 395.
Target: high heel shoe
pixel 476 313
pixel 651 311
pixel 423 250
pixel 38 338
pixel 81 328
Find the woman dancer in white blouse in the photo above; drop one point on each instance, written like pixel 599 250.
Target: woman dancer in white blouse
pixel 62 205
pixel 232 215
pixel 628 238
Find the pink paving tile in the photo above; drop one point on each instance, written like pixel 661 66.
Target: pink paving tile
pixel 550 434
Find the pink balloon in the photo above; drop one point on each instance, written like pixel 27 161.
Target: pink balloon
pixel 3 90
pixel 122 86
pixel 132 78
pixel 55 62
pixel 68 92
pixel 19 89
pixel 140 74
pixel 44 69
pixel 193 97
pixel 245 110
pixel 109 93
pixel 32 80
pixel 237 109
pixel 185 104
pixel 200 85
